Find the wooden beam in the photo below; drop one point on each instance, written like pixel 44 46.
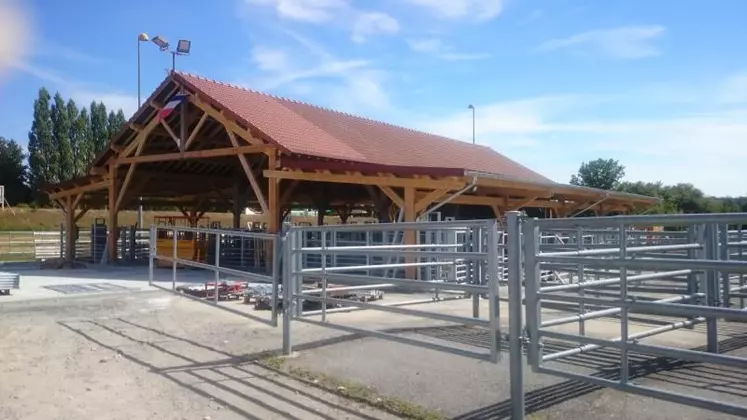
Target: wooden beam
pixel 274 223
pixel 171 132
pixel 396 199
pixel 113 228
pixel 130 172
pixel 197 154
pixel 140 137
pixel 429 198
pixel 82 213
pixel 249 174
pixel 366 180
pixel 525 203
pixel 227 123
pixel 410 215
pixel 79 190
pixel 195 131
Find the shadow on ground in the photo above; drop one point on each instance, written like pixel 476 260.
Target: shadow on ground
pixel 223 367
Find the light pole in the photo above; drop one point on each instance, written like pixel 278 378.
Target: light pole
pixel 472 107
pixel 143 37
pixel 182 48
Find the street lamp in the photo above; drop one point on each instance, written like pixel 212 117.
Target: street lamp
pixel 182 48
pixel 143 37
pixel 472 107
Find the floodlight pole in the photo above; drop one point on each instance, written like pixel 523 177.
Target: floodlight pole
pixel 173 61
pixel 472 107
pixel 143 37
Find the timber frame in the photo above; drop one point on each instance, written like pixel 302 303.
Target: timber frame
pixel 204 158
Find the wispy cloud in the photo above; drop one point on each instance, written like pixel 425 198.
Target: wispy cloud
pixel 312 11
pixel 535 15
pixel 631 42
pixel 735 89
pixel 51 49
pixel 353 85
pixel 567 132
pixel 444 51
pixel 479 10
pixel 373 23
pixel 82 92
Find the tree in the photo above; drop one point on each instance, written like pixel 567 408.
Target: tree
pixel 43 156
pixel 84 142
pixel 115 123
pixel 13 174
pixel 99 127
pixel 61 129
pixel 600 173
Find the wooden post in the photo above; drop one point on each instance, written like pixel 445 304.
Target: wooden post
pixel 273 193
pixel 410 234
pixel 237 203
pixel 113 225
pixel 69 230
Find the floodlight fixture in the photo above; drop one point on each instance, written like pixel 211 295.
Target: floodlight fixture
pixel 163 43
pixel 183 47
pixel 143 37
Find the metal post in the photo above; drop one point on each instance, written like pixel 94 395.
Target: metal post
pixel 139 103
pixel 531 234
pixel 276 258
pixel 288 286
pixel 151 253
pixel 514 308
pixel 740 238
pixel 723 255
pixel 580 273
pixel 711 286
pixel 323 252
pixel 475 269
pixel 217 265
pixel 173 61
pixel 173 262
pixel 624 365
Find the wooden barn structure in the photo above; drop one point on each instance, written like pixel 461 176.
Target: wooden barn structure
pixel 223 147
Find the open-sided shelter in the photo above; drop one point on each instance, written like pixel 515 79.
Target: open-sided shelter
pixel 202 144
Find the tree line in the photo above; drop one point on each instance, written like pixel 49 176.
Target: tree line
pixel 62 143
pixel 607 174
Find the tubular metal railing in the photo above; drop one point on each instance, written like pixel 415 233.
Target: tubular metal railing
pixel 327 275
pixel 673 280
pixel 250 260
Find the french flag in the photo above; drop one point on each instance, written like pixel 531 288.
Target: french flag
pixel 171 106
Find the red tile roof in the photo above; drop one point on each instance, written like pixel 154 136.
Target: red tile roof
pixel 311 131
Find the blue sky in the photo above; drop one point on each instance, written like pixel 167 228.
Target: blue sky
pixel 660 85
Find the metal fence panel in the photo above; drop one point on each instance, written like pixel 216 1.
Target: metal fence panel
pixel 342 268
pixel 627 266
pixel 245 266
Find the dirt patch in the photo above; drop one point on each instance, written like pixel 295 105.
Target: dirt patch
pixel 149 356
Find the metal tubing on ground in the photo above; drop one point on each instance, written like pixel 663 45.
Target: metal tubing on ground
pixel 515 315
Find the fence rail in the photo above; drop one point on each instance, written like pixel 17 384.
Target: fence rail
pixel 685 278
pixel 325 272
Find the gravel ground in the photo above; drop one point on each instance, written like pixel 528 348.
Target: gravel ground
pixel 154 355
pixel 147 355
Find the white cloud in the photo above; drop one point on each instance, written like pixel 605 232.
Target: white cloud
pixel 735 89
pixel 630 42
pixel 312 11
pixel 555 134
pixel 372 23
pixel 480 10
pixel 442 50
pixel 352 85
pixel 16 34
pixel 82 93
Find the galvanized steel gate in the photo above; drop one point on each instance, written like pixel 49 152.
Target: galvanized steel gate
pixel 695 272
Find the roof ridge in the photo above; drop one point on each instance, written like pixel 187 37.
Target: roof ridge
pixel 323 108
